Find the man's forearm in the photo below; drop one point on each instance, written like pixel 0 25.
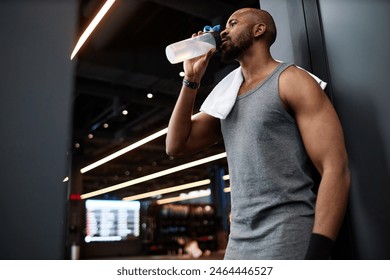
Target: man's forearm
pixel 179 127
pixel 331 202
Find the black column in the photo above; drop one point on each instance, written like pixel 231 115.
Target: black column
pixel 35 90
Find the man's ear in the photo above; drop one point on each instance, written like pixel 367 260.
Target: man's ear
pixel 259 29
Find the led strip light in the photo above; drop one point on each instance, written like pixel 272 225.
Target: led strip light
pixel 184 197
pixel 124 150
pixel 168 190
pixel 189 196
pixel 175 189
pixel 153 176
pixel 91 27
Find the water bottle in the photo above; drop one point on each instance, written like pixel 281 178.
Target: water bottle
pixel 194 47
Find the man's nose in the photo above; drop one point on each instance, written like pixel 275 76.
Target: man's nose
pixel 223 33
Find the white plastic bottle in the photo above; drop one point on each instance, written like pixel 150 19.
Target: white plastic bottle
pixel 192 47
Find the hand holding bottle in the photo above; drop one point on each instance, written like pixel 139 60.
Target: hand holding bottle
pixel 195 68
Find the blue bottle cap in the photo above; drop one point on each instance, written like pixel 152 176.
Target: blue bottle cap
pixel 209 28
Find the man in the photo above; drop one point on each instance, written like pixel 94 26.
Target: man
pixel 280 123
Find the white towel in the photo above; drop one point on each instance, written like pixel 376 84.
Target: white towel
pixel 221 99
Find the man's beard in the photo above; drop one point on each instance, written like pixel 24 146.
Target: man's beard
pixel 234 51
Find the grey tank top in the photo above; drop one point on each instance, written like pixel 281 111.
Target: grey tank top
pixel 272 200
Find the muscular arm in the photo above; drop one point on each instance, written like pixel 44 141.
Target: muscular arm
pixel 324 142
pixel 187 134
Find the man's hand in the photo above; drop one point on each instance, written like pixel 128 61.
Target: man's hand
pixel 195 68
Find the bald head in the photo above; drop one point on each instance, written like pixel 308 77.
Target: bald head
pixel 260 16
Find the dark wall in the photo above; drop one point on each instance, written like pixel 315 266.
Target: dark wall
pixel 346 43
pixel 357 41
pixel 291 41
pixel 35 91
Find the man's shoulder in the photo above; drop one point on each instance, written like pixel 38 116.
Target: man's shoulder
pixel 296 84
pixel 294 78
pixel 293 74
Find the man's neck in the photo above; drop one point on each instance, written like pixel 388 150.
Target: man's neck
pixel 257 62
pixel 256 65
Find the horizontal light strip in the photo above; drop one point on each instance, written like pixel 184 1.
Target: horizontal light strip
pixel 169 190
pixel 127 149
pixel 124 150
pixel 183 197
pixel 102 238
pixel 91 27
pixel 154 175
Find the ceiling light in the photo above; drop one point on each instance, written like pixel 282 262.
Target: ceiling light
pixel 124 150
pixel 92 26
pixel 149 95
pixel 182 74
pixel 125 112
pixel 225 178
pixel 105 125
pixel 90 136
pixel 66 179
pixel 168 190
pixel 182 197
pixel 154 175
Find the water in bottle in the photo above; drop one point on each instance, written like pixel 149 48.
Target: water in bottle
pixel 192 47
